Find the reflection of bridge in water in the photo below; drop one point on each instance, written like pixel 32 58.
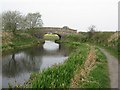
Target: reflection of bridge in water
pixel 17 66
pixel 29 60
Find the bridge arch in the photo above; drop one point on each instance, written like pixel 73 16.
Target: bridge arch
pixel 61 32
pixel 56 35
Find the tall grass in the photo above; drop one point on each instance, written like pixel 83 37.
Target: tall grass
pixel 99 76
pixel 98 38
pixel 60 76
pixel 19 40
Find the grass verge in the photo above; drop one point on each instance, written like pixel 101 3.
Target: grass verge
pixel 60 76
pixel 18 41
pixel 112 51
pixel 99 76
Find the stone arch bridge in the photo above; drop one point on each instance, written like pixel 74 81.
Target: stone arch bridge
pixel 61 32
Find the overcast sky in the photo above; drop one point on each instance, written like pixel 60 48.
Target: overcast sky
pixel 76 14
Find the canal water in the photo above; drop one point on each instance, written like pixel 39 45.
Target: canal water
pixel 17 66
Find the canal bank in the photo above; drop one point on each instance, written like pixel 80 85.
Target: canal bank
pixel 61 76
pixel 58 75
pixel 20 40
pixel 17 66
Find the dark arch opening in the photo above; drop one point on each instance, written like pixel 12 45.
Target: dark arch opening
pixel 58 35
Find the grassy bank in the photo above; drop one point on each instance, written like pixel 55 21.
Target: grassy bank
pixel 60 75
pixel 108 40
pixel 99 76
pixel 19 40
pixel 112 51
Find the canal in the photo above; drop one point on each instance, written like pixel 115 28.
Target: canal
pixel 17 66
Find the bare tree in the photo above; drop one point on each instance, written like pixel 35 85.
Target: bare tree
pixel 10 20
pixel 13 20
pixel 23 23
pixel 91 30
pixel 34 20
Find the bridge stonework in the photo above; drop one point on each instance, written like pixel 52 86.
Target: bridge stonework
pixel 60 31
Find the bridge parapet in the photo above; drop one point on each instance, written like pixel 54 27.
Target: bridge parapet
pixel 57 30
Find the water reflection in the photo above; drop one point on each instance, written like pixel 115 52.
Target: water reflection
pixel 51 46
pixel 17 67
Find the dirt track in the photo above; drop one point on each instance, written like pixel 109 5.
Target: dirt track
pixel 113 69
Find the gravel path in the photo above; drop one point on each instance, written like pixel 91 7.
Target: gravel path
pixel 113 69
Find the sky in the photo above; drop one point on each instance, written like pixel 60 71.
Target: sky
pixel 76 14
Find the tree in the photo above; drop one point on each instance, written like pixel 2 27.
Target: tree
pixel 10 20
pixel 91 30
pixel 13 20
pixel 34 20
pixel 22 23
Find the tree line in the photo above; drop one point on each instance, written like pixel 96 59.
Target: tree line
pixel 14 20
